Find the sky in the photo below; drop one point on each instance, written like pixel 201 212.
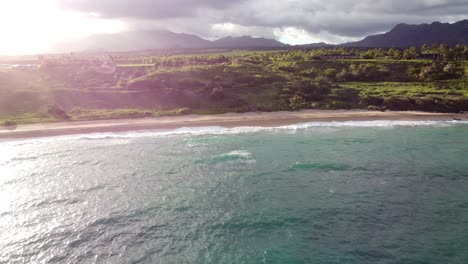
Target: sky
pixel 37 26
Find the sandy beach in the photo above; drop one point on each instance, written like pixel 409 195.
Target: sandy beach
pixel 262 119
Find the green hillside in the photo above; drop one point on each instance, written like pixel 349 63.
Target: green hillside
pixel 71 87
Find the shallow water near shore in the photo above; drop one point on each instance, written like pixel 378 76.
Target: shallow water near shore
pixel 341 192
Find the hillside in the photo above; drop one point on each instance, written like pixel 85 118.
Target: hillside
pixel 404 35
pixel 71 87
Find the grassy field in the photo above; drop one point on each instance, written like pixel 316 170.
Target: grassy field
pixel 78 114
pixel 28 118
pixel 410 89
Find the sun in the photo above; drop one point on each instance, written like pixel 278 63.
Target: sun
pixel 31 26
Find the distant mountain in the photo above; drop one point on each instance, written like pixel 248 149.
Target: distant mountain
pixel 135 41
pixel 404 35
pixel 153 40
pixel 247 42
pixel 315 45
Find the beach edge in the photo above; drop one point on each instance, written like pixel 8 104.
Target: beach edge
pixel 230 120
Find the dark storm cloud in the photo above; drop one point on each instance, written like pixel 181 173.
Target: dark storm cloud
pixel 341 18
pixel 147 9
pixel 421 7
pixel 344 17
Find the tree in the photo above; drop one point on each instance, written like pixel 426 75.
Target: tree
pixel 367 55
pixel 411 53
pixel 413 72
pixel 425 49
pixel 444 51
pixel 343 75
pixel 458 52
pixel 450 68
pixel 296 102
pixel 394 54
pixel 330 73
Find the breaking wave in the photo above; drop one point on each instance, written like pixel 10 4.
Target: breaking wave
pixel 218 130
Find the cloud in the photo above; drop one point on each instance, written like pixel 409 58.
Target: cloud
pixel 288 20
pixel 152 9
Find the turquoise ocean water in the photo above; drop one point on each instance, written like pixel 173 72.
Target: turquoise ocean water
pixel 352 192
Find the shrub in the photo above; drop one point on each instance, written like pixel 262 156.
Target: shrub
pixel 57 112
pixel 76 111
pixel 314 91
pixel 330 73
pixel 391 102
pixel 184 111
pixel 370 100
pixel 9 123
pixel 343 75
pixel 334 104
pixel 413 72
pixel 296 102
pixel 217 94
pixel 374 108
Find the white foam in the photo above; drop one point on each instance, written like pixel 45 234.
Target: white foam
pixel 218 130
pixel 239 153
pixel 377 123
pixel 242 156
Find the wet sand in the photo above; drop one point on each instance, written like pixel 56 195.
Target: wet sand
pixel 261 119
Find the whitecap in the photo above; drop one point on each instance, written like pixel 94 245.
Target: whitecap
pixel 235 156
pixel 376 123
pixel 239 153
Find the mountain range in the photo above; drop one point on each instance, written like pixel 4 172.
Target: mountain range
pixel 161 39
pixel 402 35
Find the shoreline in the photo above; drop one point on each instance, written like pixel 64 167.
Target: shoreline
pixel 253 119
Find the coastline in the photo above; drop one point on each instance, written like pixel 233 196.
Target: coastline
pixel 258 119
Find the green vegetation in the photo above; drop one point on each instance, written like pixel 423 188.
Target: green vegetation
pixel 80 87
pixel 26 118
pixel 78 114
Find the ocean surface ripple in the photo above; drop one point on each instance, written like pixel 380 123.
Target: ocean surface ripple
pixel 339 192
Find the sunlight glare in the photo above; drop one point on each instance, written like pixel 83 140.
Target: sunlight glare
pixel 30 26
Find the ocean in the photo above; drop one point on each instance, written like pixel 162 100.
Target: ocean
pixel 339 192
